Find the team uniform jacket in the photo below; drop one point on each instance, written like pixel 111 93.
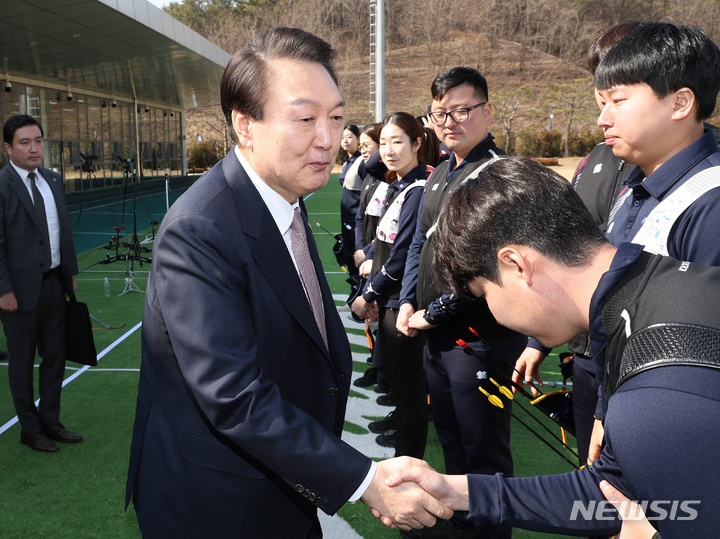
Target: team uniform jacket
pixel 598 181
pixel 419 288
pixel 661 442
pixel 691 237
pixel 373 171
pixel 389 259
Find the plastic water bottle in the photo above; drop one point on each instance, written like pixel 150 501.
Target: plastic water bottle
pixel 107 287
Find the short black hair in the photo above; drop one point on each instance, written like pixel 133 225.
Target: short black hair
pixel 244 82
pixel 354 129
pixel 606 40
pixel 16 122
pixel 666 57
pixel 457 76
pixel 513 200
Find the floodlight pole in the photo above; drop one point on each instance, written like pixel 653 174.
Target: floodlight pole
pixel 380 61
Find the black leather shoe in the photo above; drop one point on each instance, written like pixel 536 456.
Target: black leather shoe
pixel 58 433
pixel 38 442
pixel 367 379
pixel 384 425
pixel 387 439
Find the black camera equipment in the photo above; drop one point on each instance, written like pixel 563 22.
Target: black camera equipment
pixel 134 249
pixel 90 159
pixel 128 176
pixel 114 243
pixel 87 167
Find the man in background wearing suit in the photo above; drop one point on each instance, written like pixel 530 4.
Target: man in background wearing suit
pixel 37 268
pixel 245 367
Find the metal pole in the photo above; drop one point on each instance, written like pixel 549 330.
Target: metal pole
pixel 137 140
pixel 380 62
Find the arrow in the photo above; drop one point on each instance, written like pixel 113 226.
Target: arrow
pixel 493 367
pixel 504 390
pixel 494 399
pixel 105 325
pixel 540 402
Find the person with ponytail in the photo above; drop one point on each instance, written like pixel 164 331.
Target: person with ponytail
pixel 401 139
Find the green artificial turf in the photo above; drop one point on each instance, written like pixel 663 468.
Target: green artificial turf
pixel 79 492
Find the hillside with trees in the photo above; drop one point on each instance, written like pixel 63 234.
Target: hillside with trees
pixel 531 51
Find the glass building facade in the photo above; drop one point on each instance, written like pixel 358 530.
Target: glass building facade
pixel 101 132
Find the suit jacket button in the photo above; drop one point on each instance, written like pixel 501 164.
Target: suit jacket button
pixel 312 497
pixel 333 391
pixel 299 488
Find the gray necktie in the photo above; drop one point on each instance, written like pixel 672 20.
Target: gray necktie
pixel 42 220
pixel 298 240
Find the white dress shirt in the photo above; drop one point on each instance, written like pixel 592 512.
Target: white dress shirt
pixel 53 222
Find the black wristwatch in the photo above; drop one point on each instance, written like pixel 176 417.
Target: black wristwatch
pixel 429 319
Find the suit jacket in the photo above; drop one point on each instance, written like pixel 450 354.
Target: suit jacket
pixel 21 248
pixel 240 406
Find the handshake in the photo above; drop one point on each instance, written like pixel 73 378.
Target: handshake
pixel 407 493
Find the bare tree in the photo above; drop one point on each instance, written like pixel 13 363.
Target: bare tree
pixel 572 100
pixel 507 103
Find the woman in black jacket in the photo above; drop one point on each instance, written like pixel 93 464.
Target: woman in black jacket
pixel 401 140
pixel 351 181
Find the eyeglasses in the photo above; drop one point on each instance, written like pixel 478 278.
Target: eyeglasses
pixel 458 115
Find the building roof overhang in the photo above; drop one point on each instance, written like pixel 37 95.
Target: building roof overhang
pixel 127 48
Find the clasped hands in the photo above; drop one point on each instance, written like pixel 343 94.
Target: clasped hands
pixel 407 493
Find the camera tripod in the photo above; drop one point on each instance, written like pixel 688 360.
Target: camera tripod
pixel 134 249
pixel 87 166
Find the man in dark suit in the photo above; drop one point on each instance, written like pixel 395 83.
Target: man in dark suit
pixel 37 268
pixel 245 364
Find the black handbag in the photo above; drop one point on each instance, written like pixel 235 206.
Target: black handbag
pixel 79 341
